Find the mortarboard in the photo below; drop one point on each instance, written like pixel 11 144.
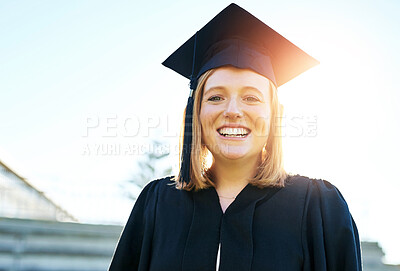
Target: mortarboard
pixel 234 37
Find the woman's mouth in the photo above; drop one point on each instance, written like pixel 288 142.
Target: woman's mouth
pixel 233 132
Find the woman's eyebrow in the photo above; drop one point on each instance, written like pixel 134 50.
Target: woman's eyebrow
pixel 253 89
pixel 214 88
pixel 243 89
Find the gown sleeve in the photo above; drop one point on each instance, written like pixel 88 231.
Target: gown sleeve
pixel 330 237
pixel 134 246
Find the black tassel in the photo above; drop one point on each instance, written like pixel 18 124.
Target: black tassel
pixel 184 176
pixel 187 143
pixel 193 83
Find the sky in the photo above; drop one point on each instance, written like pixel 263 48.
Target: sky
pixel 83 93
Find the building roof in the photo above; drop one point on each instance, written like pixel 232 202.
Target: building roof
pixel 15 183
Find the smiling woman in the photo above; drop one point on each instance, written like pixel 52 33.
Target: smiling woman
pixel 236 117
pixel 243 212
pixel 235 114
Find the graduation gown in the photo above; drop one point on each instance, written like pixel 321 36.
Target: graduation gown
pixel 305 225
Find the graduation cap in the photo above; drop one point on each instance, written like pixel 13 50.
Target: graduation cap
pixel 237 38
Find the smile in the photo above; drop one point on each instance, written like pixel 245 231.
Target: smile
pixel 233 132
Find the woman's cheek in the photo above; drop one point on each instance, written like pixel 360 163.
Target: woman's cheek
pixel 206 130
pixel 261 125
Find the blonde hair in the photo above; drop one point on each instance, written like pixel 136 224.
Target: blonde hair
pixel 270 171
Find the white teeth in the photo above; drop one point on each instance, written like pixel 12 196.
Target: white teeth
pixel 233 132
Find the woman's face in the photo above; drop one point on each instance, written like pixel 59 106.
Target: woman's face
pixel 235 113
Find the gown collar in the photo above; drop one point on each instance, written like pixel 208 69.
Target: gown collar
pixel 233 229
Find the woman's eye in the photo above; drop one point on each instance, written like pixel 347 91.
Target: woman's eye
pixel 251 99
pixel 214 98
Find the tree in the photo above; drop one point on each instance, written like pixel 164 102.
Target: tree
pixel 150 166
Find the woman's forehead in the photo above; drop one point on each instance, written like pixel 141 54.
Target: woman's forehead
pixel 233 78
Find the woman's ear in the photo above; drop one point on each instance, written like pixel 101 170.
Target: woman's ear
pixel 209 158
pixel 264 153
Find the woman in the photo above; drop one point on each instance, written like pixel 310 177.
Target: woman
pixel 243 212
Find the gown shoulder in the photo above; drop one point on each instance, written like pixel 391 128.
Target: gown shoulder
pixel 134 245
pixel 329 234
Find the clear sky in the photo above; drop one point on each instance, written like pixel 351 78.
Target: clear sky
pixel 82 91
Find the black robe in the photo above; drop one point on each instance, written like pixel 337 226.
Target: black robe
pixel 305 225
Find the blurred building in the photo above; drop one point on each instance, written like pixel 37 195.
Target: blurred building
pixel 39 245
pixel 19 199
pixel 372 258
pixel 38 235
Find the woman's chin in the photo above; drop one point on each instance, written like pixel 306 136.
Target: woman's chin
pixel 233 155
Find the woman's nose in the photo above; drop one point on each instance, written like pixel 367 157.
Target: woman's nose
pixel 233 109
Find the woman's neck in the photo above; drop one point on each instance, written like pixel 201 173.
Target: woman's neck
pixel 231 176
